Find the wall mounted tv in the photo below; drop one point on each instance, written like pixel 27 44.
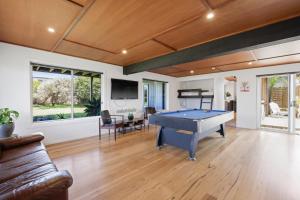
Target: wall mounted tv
pixel 123 89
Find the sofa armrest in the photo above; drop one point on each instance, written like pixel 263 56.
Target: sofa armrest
pixel 17 141
pixel 49 187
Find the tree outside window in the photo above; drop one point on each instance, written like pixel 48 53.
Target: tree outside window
pixel 60 93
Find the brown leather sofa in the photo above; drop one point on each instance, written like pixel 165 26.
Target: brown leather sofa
pixel 27 172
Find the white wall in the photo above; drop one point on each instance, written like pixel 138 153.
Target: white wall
pixel 247 109
pixel 15 91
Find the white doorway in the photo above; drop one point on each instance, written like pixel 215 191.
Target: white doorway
pixel 230 100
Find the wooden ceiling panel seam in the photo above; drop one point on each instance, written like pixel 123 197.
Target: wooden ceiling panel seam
pixel 218 68
pixel 246 66
pixel 74 2
pixel 150 49
pixel 165 45
pixel 90 46
pixel 196 14
pixel 196 17
pixel 207 5
pixel 87 58
pixel 220 5
pixel 281 56
pixel 36 19
pixel 84 9
pixel 187 73
pixel 253 55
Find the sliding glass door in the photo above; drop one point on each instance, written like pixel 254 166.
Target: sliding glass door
pixel 154 94
pixel 274 102
pixel 280 100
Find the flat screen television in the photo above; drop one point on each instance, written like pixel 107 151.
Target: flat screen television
pixel 123 89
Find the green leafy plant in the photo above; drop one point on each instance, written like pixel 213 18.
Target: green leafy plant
pixel 7 116
pixel 93 107
pixel 60 116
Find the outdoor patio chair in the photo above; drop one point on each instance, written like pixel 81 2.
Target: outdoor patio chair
pixel 276 111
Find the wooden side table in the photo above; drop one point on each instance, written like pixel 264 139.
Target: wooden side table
pixel 133 124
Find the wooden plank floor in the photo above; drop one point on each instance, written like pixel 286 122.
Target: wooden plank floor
pixel 247 164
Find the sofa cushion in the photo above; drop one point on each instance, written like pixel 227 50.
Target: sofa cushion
pixel 27 177
pixel 15 167
pixel 15 153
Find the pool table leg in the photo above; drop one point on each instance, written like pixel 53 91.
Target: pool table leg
pixel 221 131
pixel 159 142
pixel 193 147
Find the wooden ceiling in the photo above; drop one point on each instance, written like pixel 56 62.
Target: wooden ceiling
pixel 100 29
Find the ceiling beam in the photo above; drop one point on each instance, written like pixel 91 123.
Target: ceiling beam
pixel 277 33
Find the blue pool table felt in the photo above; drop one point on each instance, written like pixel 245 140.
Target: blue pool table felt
pixel 194 114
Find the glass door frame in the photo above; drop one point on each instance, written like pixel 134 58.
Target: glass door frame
pixel 291 129
pixel 145 92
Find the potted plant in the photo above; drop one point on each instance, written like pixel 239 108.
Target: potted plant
pixel 227 95
pixel 7 124
pixel 130 116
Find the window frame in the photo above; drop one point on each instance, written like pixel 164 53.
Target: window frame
pixel 72 118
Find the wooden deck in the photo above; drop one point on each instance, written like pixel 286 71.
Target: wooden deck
pixel 247 164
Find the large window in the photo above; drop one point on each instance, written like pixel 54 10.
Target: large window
pixel 154 94
pixel 59 93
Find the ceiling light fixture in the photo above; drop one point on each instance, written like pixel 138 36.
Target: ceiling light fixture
pixel 192 71
pixel 210 15
pixel 124 51
pixel 249 63
pixel 51 30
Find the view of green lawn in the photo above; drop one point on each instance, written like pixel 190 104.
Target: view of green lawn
pixel 44 110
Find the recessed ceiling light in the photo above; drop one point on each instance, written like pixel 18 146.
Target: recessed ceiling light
pixel 51 30
pixel 210 15
pixel 124 51
pixel 249 63
pixel 213 68
pixel 192 71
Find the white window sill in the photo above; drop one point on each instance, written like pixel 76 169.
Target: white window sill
pixel 64 121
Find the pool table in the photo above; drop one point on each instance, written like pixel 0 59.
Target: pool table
pixel 185 128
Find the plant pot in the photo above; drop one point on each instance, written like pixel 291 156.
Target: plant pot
pixel 130 117
pixel 6 130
